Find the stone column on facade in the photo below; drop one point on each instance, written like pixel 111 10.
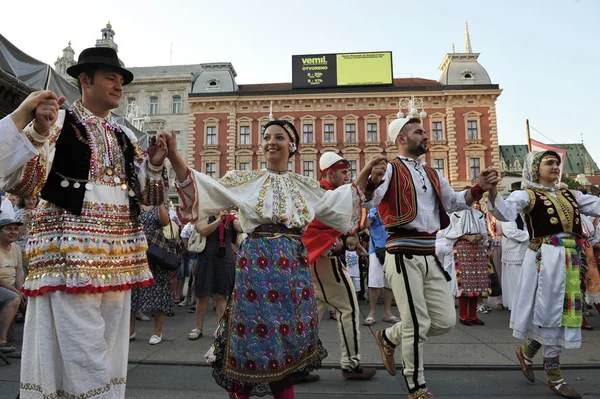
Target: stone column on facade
pixel 494 138
pixel 453 149
pixel 231 138
pixel 191 147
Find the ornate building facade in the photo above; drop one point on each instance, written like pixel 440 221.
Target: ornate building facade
pixel 226 120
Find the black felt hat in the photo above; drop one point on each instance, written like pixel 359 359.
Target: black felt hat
pixel 99 56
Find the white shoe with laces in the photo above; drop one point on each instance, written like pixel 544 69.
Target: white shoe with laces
pixel 155 339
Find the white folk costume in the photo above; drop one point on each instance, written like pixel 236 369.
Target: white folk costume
pixel 471 261
pixel 85 238
pixel 270 328
pixel 413 200
pixel 445 256
pixel 515 240
pixel 547 307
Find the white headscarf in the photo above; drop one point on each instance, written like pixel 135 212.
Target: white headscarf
pixel 531 172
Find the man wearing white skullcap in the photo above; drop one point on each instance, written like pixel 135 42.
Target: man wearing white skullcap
pixel 333 285
pixel 413 200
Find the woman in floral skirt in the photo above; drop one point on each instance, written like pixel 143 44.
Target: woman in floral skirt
pixel 269 333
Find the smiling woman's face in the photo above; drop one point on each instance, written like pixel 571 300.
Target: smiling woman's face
pixel 276 146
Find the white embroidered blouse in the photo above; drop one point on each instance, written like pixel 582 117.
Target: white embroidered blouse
pixel 265 197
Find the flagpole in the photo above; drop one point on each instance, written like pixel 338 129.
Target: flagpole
pixel 528 136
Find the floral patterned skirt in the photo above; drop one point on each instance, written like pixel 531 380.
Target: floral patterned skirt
pixel 269 331
pixel 472 265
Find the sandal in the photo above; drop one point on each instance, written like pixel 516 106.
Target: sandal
pixel 369 321
pixel 195 334
pixel 5 347
pixel 391 320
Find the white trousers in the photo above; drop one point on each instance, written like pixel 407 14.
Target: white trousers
pixel 76 346
pixel 333 286
pixel 426 307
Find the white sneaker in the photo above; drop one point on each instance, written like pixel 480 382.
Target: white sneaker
pixel 155 339
pixel 132 336
pixel 184 303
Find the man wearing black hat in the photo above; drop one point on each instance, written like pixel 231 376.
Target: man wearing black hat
pixel 86 247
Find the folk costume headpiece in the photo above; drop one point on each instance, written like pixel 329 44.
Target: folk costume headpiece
pixel 291 132
pixel 531 170
pixel 396 125
pixel 99 57
pixel 332 161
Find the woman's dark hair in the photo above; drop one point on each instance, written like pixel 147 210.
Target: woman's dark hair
pixel 289 128
pixel 22 202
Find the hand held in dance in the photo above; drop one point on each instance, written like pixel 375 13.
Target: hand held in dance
pixel 157 150
pixel 375 168
pixel 40 105
pixel 489 178
pixel 173 155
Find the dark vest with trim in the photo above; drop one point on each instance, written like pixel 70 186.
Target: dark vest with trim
pixel 548 216
pixel 399 204
pixel 72 159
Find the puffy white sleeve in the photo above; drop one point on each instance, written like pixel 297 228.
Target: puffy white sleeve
pixel 510 230
pixel 21 149
pixel 506 210
pixel 455 230
pixel 202 196
pixel 341 208
pixel 27 157
pixel 588 204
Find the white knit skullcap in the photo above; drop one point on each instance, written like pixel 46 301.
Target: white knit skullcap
pixel 394 129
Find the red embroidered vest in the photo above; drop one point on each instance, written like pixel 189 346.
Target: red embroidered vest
pixel 399 204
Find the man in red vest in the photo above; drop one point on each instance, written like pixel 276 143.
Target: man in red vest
pixel 413 200
pixel 333 285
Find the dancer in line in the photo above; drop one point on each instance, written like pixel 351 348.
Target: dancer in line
pixel 413 200
pixel 86 247
pixel 467 234
pixel 268 335
pixel 332 277
pixel 547 308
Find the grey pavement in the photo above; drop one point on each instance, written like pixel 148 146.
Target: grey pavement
pixel 489 346
pixel 469 362
pixel 186 382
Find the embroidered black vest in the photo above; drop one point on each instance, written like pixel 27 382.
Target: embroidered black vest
pixel 547 215
pixel 72 159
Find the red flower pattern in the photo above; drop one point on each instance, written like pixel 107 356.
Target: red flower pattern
pixel 284 329
pixel 262 330
pixel 232 362
pixel 305 293
pixel 294 297
pixel 284 263
pixel 243 262
pixel 251 295
pixel 273 295
pixel 313 322
pixel 250 365
pixel 305 261
pixel 300 327
pixel 289 359
pixel 273 365
pixel 241 329
pixel 262 262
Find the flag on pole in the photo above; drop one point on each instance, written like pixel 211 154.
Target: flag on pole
pixel 562 152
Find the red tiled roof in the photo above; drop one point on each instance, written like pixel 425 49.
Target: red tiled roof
pixel 595 180
pixel 404 82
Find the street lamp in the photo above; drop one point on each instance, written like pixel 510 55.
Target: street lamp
pixel 412 104
pixel 137 114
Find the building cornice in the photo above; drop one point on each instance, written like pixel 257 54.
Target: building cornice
pixel 354 92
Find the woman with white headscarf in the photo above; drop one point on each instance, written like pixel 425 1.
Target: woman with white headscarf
pixel 547 309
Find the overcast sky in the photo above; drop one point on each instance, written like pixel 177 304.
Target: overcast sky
pixel 544 54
